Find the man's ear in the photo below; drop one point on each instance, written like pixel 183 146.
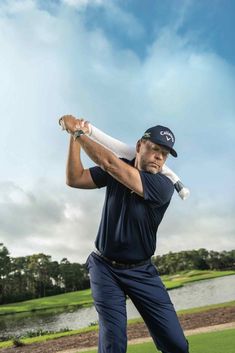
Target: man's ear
pixel 138 146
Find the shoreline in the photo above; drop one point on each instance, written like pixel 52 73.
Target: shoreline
pixel 137 332
pixel 37 305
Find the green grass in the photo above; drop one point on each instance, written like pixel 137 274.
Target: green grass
pixel 72 299
pixel 179 279
pixel 95 327
pixel 84 298
pixel 212 342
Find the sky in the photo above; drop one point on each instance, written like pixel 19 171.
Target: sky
pixel 124 66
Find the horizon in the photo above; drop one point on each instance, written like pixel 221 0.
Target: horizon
pixel 155 255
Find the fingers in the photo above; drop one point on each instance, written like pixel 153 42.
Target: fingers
pixel 72 124
pixel 82 124
pixel 68 123
pixel 62 124
pixel 88 127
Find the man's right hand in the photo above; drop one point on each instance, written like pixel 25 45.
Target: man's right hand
pixel 83 125
pixel 68 122
pixel 71 124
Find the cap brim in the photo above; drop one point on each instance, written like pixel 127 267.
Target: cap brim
pixel 173 153
pixel 171 150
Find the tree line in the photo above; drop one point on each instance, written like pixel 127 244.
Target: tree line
pixel 36 276
pixel 201 259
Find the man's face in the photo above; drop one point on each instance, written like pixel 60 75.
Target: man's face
pixel 150 156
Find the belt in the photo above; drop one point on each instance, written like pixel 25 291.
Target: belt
pixel 117 264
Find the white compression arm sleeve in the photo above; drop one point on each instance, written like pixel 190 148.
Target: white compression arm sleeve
pixel 123 150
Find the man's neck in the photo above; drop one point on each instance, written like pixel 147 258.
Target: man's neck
pixel 136 164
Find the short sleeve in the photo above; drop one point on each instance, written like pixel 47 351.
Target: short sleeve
pixel 157 187
pixel 99 176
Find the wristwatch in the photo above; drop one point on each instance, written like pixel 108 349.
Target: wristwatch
pixel 77 134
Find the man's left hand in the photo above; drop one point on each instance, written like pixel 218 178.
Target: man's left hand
pixel 69 123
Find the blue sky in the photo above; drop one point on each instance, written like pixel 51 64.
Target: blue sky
pixel 124 66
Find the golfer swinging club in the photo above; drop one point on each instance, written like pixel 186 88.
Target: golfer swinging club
pixel 137 196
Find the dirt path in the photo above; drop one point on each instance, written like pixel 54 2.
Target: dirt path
pixel 214 328
pixel 191 323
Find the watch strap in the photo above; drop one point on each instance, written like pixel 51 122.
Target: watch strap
pixel 77 134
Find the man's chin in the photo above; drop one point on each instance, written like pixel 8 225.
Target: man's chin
pixel 152 170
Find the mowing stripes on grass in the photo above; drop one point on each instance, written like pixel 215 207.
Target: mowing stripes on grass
pixel 212 342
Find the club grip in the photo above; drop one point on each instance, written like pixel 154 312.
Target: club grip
pixel 182 190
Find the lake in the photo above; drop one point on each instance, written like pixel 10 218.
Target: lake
pixel 206 292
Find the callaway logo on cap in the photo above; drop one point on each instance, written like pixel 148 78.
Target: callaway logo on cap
pixel 161 135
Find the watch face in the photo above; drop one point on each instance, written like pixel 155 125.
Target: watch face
pixel 77 134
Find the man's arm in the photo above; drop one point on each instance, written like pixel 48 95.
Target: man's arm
pixel 103 157
pixel 123 150
pixel 109 162
pixel 76 175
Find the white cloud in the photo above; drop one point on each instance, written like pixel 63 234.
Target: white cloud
pixel 112 16
pixel 199 223
pixel 49 219
pixel 83 3
pixel 53 64
pixel 11 7
pixel 63 222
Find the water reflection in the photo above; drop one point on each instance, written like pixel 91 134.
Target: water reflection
pixel 195 294
pixel 47 320
pixel 205 292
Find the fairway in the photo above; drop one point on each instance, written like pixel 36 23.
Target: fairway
pixel 213 342
pixel 84 298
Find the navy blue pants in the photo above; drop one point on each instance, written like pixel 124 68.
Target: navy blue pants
pixel 111 285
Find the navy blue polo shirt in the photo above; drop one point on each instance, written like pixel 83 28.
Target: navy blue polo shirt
pixel 129 222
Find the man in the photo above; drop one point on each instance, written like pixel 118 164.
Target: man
pixel 137 196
